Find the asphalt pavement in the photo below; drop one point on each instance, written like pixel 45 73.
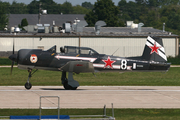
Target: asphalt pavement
pixel 91 97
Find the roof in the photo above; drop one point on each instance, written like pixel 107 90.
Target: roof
pixel 127 31
pixel 15 19
pixel 104 32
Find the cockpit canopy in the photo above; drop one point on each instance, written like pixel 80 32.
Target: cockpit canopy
pixel 79 50
pixel 74 50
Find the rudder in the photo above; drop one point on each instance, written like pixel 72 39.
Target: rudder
pixel 154 50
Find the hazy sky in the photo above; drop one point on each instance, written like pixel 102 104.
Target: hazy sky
pixel 73 2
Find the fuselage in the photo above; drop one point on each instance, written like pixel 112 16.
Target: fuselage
pixel 38 59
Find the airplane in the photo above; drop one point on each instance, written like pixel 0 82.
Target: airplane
pixel 74 59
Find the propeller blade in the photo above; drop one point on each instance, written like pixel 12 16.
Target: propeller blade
pixel 12 58
pixel 12 66
pixel 13 46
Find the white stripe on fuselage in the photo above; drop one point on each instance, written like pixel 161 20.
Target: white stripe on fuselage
pixel 103 65
pixel 75 58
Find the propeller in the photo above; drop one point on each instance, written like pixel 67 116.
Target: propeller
pixel 13 58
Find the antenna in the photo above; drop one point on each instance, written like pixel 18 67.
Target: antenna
pixel 39 15
pixel 115 51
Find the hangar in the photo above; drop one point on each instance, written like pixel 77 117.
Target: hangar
pixel 117 41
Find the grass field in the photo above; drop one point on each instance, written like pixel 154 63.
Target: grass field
pixel 120 114
pixel 42 77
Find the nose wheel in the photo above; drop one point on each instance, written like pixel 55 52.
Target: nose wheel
pixel 28 85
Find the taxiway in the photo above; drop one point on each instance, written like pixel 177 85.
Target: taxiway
pixel 91 97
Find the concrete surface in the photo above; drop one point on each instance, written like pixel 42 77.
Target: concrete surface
pixel 91 97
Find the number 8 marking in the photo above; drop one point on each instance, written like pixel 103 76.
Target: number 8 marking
pixel 123 64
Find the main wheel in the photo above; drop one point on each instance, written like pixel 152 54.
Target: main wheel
pixel 68 87
pixel 28 86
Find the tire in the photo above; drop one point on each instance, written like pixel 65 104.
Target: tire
pixel 28 86
pixel 68 87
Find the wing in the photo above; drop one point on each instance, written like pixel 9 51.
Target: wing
pixel 78 66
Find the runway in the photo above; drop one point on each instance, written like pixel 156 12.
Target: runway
pixel 91 97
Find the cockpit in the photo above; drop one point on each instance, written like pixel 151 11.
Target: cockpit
pixel 74 50
pixel 79 50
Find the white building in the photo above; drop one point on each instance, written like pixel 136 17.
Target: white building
pixel 119 41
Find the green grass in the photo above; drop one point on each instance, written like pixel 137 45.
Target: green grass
pixel 5 61
pixel 174 60
pixel 120 114
pixel 42 77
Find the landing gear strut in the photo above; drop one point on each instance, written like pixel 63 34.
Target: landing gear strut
pixel 70 83
pixel 28 85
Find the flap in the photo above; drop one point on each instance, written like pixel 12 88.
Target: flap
pixel 78 66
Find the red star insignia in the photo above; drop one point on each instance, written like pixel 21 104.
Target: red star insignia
pixel 154 48
pixel 108 62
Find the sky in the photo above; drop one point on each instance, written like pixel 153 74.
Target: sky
pixel 73 2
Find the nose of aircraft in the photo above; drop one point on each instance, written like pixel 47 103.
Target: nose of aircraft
pixel 13 57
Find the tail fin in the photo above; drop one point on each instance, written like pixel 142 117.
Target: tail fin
pixel 154 50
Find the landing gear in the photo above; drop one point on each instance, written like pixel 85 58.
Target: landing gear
pixel 28 85
pixel 70 83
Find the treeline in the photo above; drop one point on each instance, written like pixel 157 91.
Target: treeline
pixel 49 5
pixel 153 13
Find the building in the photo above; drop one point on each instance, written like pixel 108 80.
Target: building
pixel 117 41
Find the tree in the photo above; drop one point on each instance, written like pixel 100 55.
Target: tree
pixel 18 8
pixel 87 5
pixel 7 5
pixel 123 5
pixel 172 13
pixel 132 10
pixel 67 8
pixel 142 2
pixel 50 6
pixel 169 2
pixel 104 10
pixel 79 10
pixel 153 3
pixel 24 22
pixel 33 7
pixel 3 15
